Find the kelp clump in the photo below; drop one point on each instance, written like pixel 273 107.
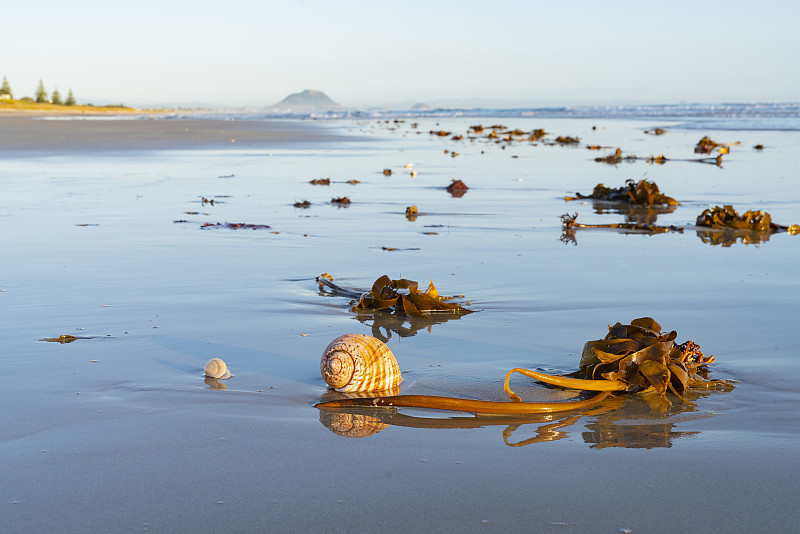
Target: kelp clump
pixel 756 221
pixel 706 145
pixel 640 355
pixel 642 192
pixel 402 296
pixel 637 357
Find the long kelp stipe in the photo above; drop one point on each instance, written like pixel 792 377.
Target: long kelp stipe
pixel 466 405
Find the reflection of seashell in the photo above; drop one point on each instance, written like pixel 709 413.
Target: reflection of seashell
pixel 357 362
pixel 216 368
pixel 214 383
pixel 351 425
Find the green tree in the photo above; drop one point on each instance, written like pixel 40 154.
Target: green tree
pixel 5 89
pixel 41 94
pixel 70 101
pixel 56 98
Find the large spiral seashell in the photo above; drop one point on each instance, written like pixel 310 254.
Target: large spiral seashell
pixel 357 362
pixel 216 368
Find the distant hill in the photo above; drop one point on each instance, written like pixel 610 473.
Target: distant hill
pixel 308 100
pixel 420 107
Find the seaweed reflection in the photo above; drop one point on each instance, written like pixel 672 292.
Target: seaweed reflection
pixel 717 226
pixel 730 236
pixel 385 322
pixel 724 237
pixel 643 421
pixel 634 214
pixel 569 225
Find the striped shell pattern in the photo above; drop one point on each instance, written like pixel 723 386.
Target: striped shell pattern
pixel 357 362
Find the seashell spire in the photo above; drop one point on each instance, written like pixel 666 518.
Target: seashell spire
pixel 357 362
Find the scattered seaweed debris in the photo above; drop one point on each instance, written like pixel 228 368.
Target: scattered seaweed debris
pixel 659 160
pixel 234 226
pixel 706 145
pixel 617 158
pixel 391 319
pixel 320 181
pixel 386 294
pixel 396 249
pixel 758 147
pixel 656 131
pixel 641 192
pixel 341 201
pixel 305 204
pixel 207 201
pixel 755 221
pixel 613 159
pixel 63 338
pixel 411 213
pixel 457 188
pixel 568 226
pixel 567 140
pixel 537 134
pixel 440 133
pixel 68 338
pixel 387 172
pixel 353 182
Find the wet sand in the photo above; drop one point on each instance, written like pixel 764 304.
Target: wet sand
pixel 120 432
pixel 23 133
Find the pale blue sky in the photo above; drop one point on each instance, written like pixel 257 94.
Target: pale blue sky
pixel 253 53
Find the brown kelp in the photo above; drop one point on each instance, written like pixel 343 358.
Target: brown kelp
pixel 642 192
pixel 637 357
pixel 234 226
pixel 755 221
pixel 402 296
pixel 569 225
pixel 457 188
pixel 706 145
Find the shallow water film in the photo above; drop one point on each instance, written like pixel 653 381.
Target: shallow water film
pixel 156 261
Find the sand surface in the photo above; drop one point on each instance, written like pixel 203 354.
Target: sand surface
pixel 22 134
pixel 101 228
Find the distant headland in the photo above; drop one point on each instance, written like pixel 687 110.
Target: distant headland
pixel 304 101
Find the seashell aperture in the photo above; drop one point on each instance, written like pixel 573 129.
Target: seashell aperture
pixel 216 368
pixel 357 362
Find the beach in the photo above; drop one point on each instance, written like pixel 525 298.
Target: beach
pixel 109 234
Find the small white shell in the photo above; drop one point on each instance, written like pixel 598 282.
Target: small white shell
pixel 357 362
pixel 216 368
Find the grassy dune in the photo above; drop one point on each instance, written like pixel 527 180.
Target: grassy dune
pixel 25 106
